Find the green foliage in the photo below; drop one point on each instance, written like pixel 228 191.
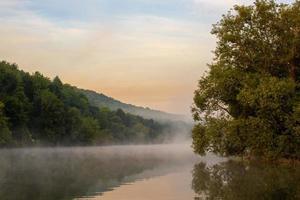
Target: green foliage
pixel 5 134
pixel 35 110
pixel 248 102
pixel 88 130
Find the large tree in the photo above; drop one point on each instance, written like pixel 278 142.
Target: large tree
pixel 248 103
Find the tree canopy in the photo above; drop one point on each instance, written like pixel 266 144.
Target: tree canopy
pixel 248 103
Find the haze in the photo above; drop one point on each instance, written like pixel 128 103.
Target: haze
pixel 145 52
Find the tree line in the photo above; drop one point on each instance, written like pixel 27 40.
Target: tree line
pixel 35 110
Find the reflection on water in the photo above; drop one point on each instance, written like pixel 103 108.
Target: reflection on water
pixel 160 172
pixel 236 180
pixel 68 173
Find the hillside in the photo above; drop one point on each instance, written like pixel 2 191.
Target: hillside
pixel 101 100
pixel 35 110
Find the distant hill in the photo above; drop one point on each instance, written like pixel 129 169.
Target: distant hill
pixel 101 100
pixel 36 110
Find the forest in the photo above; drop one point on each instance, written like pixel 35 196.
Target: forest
pixel 248 103
pixel 35 110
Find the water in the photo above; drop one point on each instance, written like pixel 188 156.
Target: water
pixel 160 172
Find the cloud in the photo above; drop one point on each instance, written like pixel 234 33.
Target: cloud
pixel 225 4
pixel 11 3
pixel 222 2
pixel 145 54
pixel 212 10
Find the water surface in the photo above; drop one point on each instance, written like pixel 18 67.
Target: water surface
pixel 160 172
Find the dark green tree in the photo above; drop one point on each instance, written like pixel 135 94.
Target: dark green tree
pixel 5 134
pixel 248 102
pixel 50 117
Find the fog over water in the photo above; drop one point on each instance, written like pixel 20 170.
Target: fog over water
pixel 141 172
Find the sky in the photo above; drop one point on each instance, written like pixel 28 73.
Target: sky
pixel 144 52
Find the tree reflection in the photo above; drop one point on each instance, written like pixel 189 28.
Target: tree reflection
pixel 68 173
pixel 237 180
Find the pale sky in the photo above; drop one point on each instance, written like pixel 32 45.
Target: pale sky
pixel 144 52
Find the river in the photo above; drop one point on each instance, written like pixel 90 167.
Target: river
pixel 142 172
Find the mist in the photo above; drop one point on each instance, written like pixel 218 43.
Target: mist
pixel 70 172
pixel 179 132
